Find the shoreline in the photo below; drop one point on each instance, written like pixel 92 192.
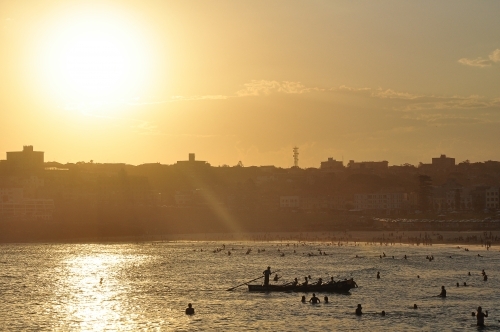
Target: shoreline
pixel 424 238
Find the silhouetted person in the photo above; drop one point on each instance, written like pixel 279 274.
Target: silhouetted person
pixel 295 282
pixel 465 284
pixel 469 272
pixel 458 285
pixel 415 306
pixel 305 282
pixel 325 299
pixel 443 292
pixel 480 316
pixel 383 313
pixel 418 276
pixel 276 277
pixel 485 278
pixel 267 273
pixel 358 310
pixel 405 257
pixel 314 299
pixel 483 273
pixel 378 275
pixel 190 309
pixel 303 300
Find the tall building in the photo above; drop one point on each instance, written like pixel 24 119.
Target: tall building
pixel 26 160
pixel 443 162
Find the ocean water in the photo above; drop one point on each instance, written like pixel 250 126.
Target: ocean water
pixel 147 285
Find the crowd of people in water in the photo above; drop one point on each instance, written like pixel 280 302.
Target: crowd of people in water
pixel 390 240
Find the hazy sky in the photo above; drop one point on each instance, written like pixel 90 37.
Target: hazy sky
pixel 151 81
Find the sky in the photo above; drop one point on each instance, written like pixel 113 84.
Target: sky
pixel 151 81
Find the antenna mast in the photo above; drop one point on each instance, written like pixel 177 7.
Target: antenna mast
pixel 296 157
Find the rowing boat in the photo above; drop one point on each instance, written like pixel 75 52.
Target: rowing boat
pixel 336 287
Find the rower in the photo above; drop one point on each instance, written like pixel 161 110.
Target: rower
pixel 295 282
pixel 276 277
pixel 305 282
pixel 266 274
pixel 320 282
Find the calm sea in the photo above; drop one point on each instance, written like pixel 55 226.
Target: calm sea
pixel 146 286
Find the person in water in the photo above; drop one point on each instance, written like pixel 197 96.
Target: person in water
pixel 480 316
pixel 266 274
pixel 325 299
pixel 415 306
pixel 314 299
pixel 443 292
pixel 358 310
pixel 190 309
pixel 378 275
pixel 383 313
pixel 303 300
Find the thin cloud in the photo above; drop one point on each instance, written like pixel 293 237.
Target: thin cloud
pixel 264 87
pixel 493 57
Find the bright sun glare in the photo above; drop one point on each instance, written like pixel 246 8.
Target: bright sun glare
pixel 94 57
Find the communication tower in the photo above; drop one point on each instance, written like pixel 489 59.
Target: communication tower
pixel 296 157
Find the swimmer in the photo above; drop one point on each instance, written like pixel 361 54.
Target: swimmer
pixel 458 285
pixel 443 292
pixel 325 299
pixel 190 309
pixel 378 275
pixel 303 300
pixel 314 299
pixel 383 313
pixel 358 310
pixel 465 284
pixel 485 278
pixel 415 306
pixel 480 316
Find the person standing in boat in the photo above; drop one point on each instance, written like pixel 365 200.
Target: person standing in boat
pixel 267 274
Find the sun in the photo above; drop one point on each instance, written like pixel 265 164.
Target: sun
pixel 94 57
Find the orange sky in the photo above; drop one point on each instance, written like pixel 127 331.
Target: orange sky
pixel 151 81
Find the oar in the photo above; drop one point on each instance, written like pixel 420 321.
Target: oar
pixel 230 289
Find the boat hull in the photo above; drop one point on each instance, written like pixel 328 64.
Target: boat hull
pixel 338 287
